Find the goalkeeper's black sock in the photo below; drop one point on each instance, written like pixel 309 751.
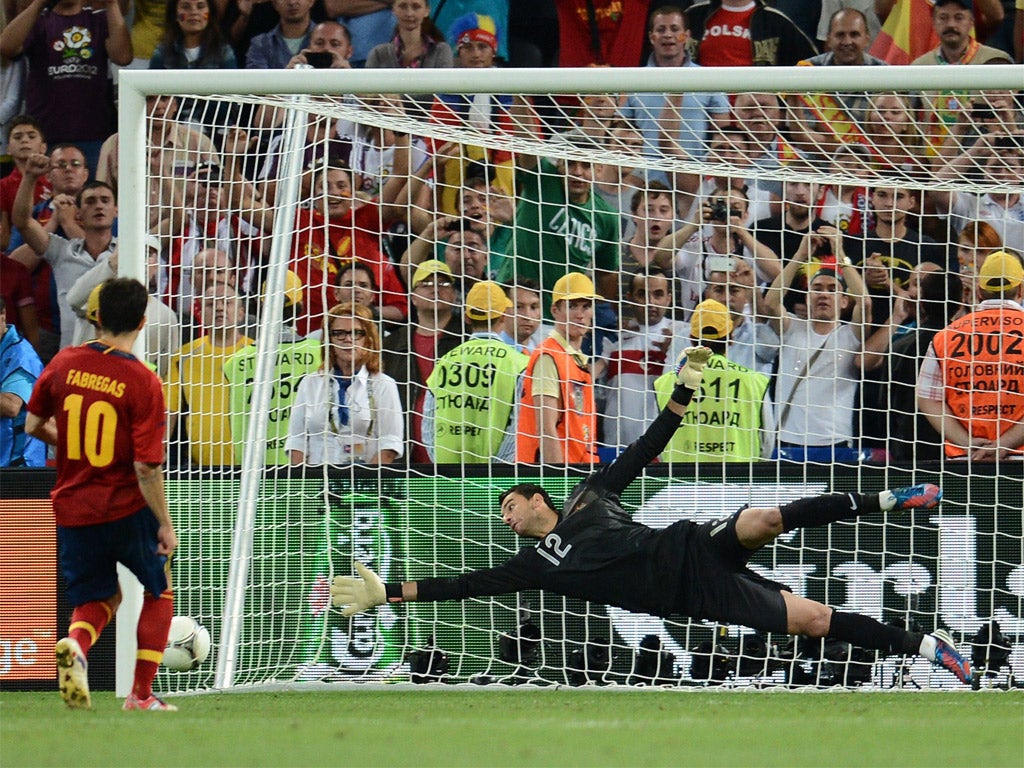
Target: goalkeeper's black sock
pixel 822 510
pixel 865 632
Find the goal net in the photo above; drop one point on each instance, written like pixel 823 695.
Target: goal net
pixel 304 435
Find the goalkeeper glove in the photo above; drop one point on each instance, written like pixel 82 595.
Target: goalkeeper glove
pixel 358 594
pixel 690 372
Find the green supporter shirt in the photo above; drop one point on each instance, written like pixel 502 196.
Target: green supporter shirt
pixel 294 360
pixel 552 236
pixel 474 388
pixel 726 422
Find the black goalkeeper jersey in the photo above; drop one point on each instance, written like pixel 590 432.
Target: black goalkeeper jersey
pixel 596 551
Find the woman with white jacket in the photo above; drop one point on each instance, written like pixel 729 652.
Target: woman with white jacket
pixel 348 412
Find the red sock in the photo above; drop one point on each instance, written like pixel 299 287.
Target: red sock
pixel 87 623
pixel 154 624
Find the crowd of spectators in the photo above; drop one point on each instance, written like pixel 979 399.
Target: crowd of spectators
pixel 425 275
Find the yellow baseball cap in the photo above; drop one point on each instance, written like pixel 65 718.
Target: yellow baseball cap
pixel 486 301
pixel 92 305
pixel 1000 271
pixel 428 269
pixel 574 285
pixel 710 320
pixel 292 289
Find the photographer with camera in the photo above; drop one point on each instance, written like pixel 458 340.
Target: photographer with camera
pixel 953 26
pixel 461 243
pixel 711 244
pixel 989 112
pixel 330 47
pixel 995 159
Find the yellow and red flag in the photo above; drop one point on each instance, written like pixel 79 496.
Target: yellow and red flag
pixel 907 32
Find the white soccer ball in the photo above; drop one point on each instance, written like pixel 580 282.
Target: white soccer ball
pixel 188 644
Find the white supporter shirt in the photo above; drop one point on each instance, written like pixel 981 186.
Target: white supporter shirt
pixel 754 346
pixel 375 419
pixel 691 266
pixel 1007 222
pixel 70 260
pixel 230 231
pixel 634 362
pixel 820 410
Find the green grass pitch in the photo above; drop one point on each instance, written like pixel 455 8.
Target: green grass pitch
pixel 456 727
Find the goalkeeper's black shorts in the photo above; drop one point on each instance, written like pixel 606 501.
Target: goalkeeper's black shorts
pixel 719 586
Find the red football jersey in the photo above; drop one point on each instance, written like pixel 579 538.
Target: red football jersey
pixel 356 236
pixel 110 414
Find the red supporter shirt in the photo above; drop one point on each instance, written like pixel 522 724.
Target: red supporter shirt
pixel 621 29
pixel 319 272
pixel 9 188
pixel 357 236
pixel 110 414
pixel 15 287
pixel 726 41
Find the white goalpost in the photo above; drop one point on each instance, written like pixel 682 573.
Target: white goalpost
pixel 242 188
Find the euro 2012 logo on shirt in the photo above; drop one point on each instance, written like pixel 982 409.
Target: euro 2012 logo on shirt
pixel 76 41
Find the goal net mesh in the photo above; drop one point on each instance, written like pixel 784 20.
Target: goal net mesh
pixel 401 203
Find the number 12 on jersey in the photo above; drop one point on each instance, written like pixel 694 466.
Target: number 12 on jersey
pixel 558 551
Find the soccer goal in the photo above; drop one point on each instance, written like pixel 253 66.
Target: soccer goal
pixel 275 195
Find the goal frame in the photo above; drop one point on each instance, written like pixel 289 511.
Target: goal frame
pixel 135 85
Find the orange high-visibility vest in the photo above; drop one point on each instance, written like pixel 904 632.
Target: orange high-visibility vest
pixel 577 427
pixel 982 361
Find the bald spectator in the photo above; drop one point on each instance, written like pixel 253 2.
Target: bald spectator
pixel 198 394
pixel 827 120
pixel 331 46
pixel 67 176
pixel 830 7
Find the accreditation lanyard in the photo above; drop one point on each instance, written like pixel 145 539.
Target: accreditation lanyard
pixel 338 412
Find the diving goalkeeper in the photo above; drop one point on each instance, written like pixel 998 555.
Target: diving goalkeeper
pixel 594 550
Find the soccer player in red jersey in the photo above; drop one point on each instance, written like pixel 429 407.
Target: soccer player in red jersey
pixel 104 411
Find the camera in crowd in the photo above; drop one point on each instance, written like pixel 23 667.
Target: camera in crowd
pixel 720 210
pixel 982 111
pixel 1010 142
pixel 319 59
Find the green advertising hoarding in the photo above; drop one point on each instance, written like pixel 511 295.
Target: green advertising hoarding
pixel 408 527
